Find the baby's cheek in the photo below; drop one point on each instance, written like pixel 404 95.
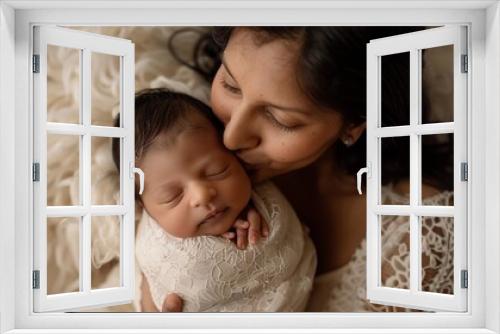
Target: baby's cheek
pixel 178 225
pixel 242 189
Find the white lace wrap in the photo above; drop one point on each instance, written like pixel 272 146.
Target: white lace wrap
pixel 344 289
pixel 212 275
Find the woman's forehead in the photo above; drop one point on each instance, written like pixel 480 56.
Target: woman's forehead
pixel 267 71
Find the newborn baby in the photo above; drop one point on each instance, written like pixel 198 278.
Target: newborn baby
pixel 194 192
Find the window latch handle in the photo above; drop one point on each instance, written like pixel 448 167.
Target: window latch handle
pixel 136 170
pixel 360 173
pixel 141 179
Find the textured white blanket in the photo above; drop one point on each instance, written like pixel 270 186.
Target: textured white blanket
pixel 154 67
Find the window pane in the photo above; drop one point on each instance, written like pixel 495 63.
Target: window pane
pixel 395 170
pixel 63 255
pixel 63 84
pixel 437 254
pixel 437 169
pixel 395 90
pixel 106 235
pixel 395 248
pixel 105 88
pixel 437 84
pixel 105 175
pixel 63 170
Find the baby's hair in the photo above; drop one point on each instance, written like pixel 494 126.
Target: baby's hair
pixel 158 111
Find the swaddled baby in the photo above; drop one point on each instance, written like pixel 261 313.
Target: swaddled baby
pixel 194 192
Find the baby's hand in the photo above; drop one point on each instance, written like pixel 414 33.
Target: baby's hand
pixel 249 230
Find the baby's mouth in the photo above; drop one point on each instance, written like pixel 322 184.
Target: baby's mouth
pixel 214 215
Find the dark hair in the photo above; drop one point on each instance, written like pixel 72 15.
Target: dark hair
pixel 159 111
pixel 331 71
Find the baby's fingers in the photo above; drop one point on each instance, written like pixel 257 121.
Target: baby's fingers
pixel 241 238
pixel 228 235
pixel 254 230
pixel 240 224
pixel 264 228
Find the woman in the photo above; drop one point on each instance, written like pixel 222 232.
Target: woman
pixel 293 103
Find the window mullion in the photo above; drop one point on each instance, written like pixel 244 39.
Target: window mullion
pixel 127 223
pixel 85 161
pixel 415 170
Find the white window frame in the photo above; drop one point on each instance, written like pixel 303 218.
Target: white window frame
pixel 483 18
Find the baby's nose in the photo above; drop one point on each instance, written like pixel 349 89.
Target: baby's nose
pixel 202 195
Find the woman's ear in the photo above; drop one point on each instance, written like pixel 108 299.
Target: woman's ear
pixel 352 132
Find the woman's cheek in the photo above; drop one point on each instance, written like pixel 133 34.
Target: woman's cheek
pixel 288 150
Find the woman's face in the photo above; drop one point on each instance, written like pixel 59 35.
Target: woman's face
pixel 269 121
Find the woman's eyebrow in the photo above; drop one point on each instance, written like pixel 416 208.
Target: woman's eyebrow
pixel 298 110
pixel 270 104
pixel 227 68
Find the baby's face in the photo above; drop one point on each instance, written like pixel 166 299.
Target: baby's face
pixel 194 186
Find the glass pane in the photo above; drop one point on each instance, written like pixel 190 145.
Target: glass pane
pixel 437 169
pixel 437 84
pixel 63 170
pixel 395 248
pixel 105 175
pixel 63 255
pixel 105 248
pixel 63 84
pixel 395 170
pixel 395 90
pixel 437 254
pixel 105 88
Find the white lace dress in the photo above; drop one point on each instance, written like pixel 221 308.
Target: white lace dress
pixel 211 275
pixel 344 289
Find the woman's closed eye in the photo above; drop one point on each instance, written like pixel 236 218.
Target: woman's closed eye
pixel 279 124
pixel 230 88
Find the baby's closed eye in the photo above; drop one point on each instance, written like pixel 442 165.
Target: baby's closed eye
pixel 217 170
pixel 171 197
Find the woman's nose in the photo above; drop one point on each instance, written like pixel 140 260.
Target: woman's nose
pixel 202 194
pixel 240 132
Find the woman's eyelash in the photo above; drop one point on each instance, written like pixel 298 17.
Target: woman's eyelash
pixel 268 114
pixel 230 88
pixel 276 123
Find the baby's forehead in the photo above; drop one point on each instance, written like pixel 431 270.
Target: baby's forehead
pixel 189 153
pixel 167 140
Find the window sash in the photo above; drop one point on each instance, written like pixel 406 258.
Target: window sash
pixel 85 43
pixel 413 43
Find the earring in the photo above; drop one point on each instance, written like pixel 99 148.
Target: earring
pixel 347 141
